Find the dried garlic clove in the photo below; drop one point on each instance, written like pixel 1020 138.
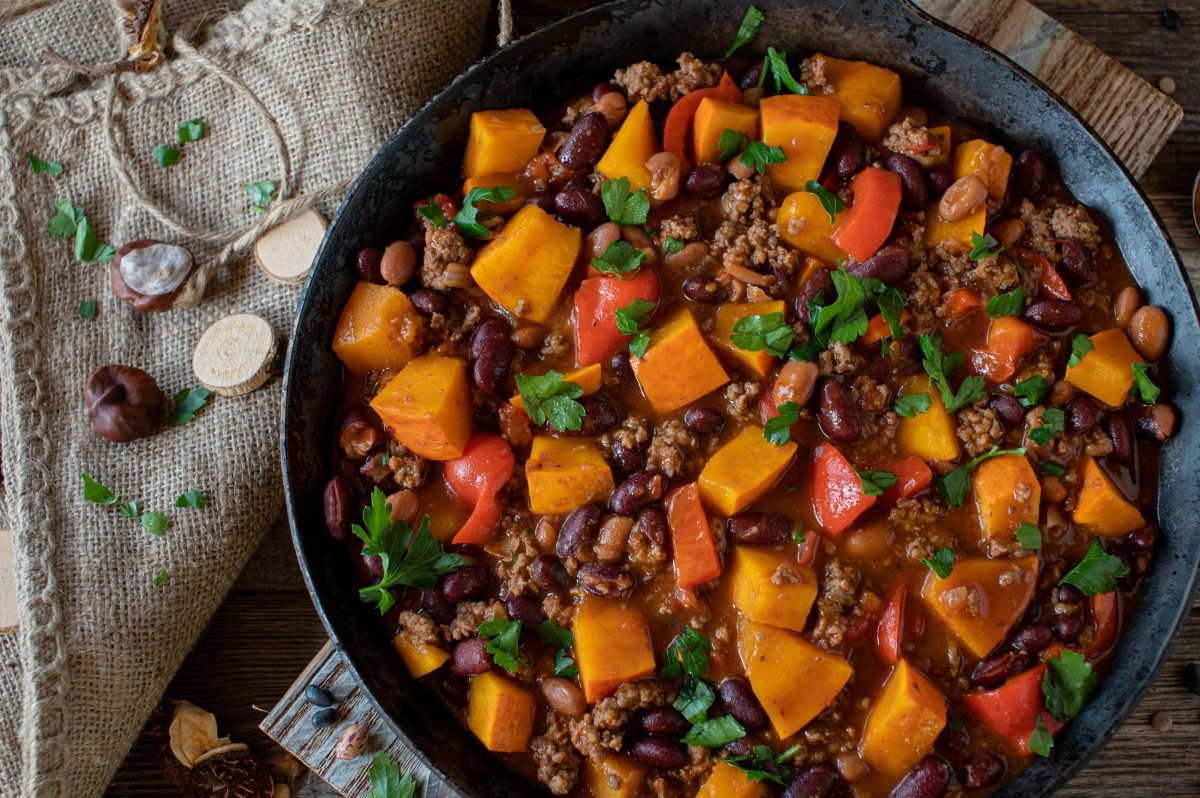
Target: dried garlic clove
pixel 153 276
pixel 193 732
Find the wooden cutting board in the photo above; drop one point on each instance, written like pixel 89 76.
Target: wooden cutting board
pixel 1131 115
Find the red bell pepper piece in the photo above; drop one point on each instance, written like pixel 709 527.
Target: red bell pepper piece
pixel 696 557
pixel 1008 340
pixel 476 477
pixel 596 304
pixel 913 475
pixel 1011 710
pixel 864 226
pixel 889 631
pixel 837 492
pixel 1050 282
pixel 961 302
pixel 1106 616
pixel 679 118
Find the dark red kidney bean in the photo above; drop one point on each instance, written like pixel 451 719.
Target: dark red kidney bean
pixel 580 207
pixel 984 770
pixel 705 180
pixel 599 416
pixel 819 283
pixel 929 779
pixel 663 722
pixel 525 610
pixel 704 290
pixel 955 740
pixel 915 191
pixel 1008 408
pixel 742 703
pixel 1067 628
pixel 758 528
pixel 602 89
pixel 1120 433
pixel 890 265
pixel 470 658
pixel 820 780
pixel 436 606
pixel 1081 413
pixel 455 689
pixel 585 142
pixel 659 753
pixel 994 671
pixel 623 368
pixel 940 179
pixel 749 78
pixel 492 352
pixel 466 584
pixel 579 529
pixel 543 200
pixel 606 581
pixel 639 490
pixel 836 413
pixel 628 459
pixel 549 572
pixel 1142 539
pixel 1029 175
pixel 468 551
pixel 847 154
pixel 652 522
pixel 489 331
pixel 1076 262
pixel 739 747
pixel 1033 639
pixel 374 566
pixel 704 420
pixel 428 301
pixel 366 263
pixel 337 508
pixel 1069 594
pixel 1053 314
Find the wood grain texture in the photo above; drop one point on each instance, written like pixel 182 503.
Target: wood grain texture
pixel 267 631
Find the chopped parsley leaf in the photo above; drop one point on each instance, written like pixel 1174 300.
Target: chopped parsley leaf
pixel 730 144
pixel 778 429
pixel 939 366
pixel 1067 684
pixel 910 404
pixel 1080 346
pixel 953 486
pixel 671 245
pixel 1041 742
pixel 776 64
pixel 159 578
pixel 694 698
pixel 1097 572
pixel 622 205
pixel 759 156
pixel 1146 390
pixel 261 193
pixel 191 130
pixel 1053 420
pixel 984 246
pixel 1050 468
pixel 620 258
pixel 504 642
pixel 193 499
pixel 714 732
pixel 874 483
pixel 687 653
pixel 752 23
pixel 386 781
pixel 765 331
pixel 1030 392
pixel 830 202
pixel 96 493
pixel 1010 303
pixel 433 212
pixel 467 219
pixel 549 399
pixel 1029 536
pixel 165 155
pixel 629 319
pixel 942 563
pixel 154 522
pixel 87 309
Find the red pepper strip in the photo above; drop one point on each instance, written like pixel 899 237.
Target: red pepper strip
pixel 476 477
pixel 679 118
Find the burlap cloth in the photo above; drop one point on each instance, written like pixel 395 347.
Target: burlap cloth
pixel 98 640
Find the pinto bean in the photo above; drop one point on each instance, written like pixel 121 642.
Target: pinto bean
pixel 1120 432
pixel 1053 314
pixel 580 207
pixel 1077 262
pixel 663 722
pixel 606 581
pixel 665 170
pixel 795 382
pixel 337 508
pixel 1081 413
pixel 1029 175
pixel 820 780
pixel 1155 422
pixel 705 180
pixel 599 239
pixel 963 198
pixel 613 106
pixel 466 584
pixel 579 529
pixel 915 191
pixel 1149 330
pixel 398 263
pixel 639 490
pixel 436 606
pixel 613 538
pixel 585 142
pixel 758 528
pixel 525 610
pixel 659 753
pixel 603 88
pixel 687 257
pixel 1008 408
pixel 847 153
pixel 1033 638
pixel 929 779
pixel 984 770
pixel 1007 232
pixel 1125 305
pixel 548 571
pixel 704 420
pixel 563 696
pixel 993 671
pixel 836 413
pixel 741 702
pixel 890 265
pixel 704 290
pixel 470 658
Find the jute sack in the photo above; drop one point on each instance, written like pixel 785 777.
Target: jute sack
pixel 300 92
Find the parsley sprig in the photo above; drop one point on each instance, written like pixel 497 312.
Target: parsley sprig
pixel 1097 572
pixel 1080 346
pixel 984 246
pixel 504 642
pixel 831 202
pixel 767 331
pixel 467 219
pixel 687 655
pixel 942 563
pixel 910 404
pixel 1029 536
pixel 763 764
pixel 1010 303
pixel 549 399
pixel 776 64
pixel 1067 684
pixel 953 486
pixel 1030 392
pixel 1145 388
pixel 759 156
pixel 940 365
pixel 1053 421
pixel 620 258
pixel 434 214
pixel 778 429
pixel 730 144
pixel 631 320
pixel 554 634
pixel 386 780
pixel 874 483
pixel 1041 742
pixel 409 559
pixel 688 652
pixel 752 23
pixel 622 205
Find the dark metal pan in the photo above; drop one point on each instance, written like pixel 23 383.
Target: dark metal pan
pixel 964 77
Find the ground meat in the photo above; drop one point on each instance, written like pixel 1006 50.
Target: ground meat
pixel 646 81
pixel 468 616
pixel 556 760
pixel 446 259
pixel 603 728
pixel 671 448
pixel 910 139
pixel 870 396
pixel 838 596
pixel 1096 443
pixel 962 596
pixel 914 516
pixel 979 428
pixel 1037 230
pixel 645 553
pixel 408 469
pixel 554 345
pixel 924 293
pixel 746 201
pixel 740 399
pixel 839 358
pixel 995 275
pixel 812 75
pixel 747 238
pixel 924 547
pixel 631 434
pixel 682 228
pixel 1040 364
pixel 559 609
pixel 456 325
pixel 881 427
pixel 417 628
pixel 1074 221
pixel 522 549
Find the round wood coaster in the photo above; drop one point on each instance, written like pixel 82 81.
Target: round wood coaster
pixel 235 354
pixel 285 252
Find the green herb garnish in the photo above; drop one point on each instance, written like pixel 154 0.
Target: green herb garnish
pixel 1053 420
pixel 778 429
pixel 766 331
pixel 953 486
pixel 1146 390
pixel 556 635
pixel 776 64
pixel 759 156
pixel 831 202
pixel 1010 303
pixel 1029 536
pixel 386 781
pixel 1097 572
pixel 730 144
pixel 1080 346
pixel 433 212
pixel 193 500
pixel 939 366
pixel 910 404
pixel 984 246
pixel 752 23
pixel 620 258
pixel 687 653
pixel 96 493
pixel 1030 392
pixel 87 309
pixel 191 130
pixel 632 317
pixel 1067 684
pixel 549 399
pixel 504 642
pixel 694 698
pixel 165 155
pixel 622 205
pixel 154 522
pixel 159 578
pixel 942 563
pixel 671 245
pixel 874 483
pixel 714 732
pixel 1050 468
pixel 467 219
pixel 1041 742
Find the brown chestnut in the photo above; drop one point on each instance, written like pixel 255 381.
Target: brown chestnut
pixel 152 276
pixel 124 403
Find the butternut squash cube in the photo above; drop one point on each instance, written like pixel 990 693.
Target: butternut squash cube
pixel 501 712
pixel 990 161
pixel 869 95
pixel 1106 372
pixel 524 268
pixel 495 180
pixel 929 435
pixel 907 718
pixel 729 314
pixel 612 646
pixel 942 134
pixel 428 408
pixel 632 145
pixel 714 117
pixel 804 126
pixel 981 599
pixel 769 586
pixel 378 329
pixel 743 470
pixel 805 225
pixel 613 776
pixel 564 473
pixel 419 659
pixel 678 367
pixel 587 378
pixel 726 781
pixel 1100 506
pixel 1007 494
pixel 793 679
pixel 955 236
pixel 502 141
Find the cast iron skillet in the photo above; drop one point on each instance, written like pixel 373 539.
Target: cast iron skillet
pixel 567 58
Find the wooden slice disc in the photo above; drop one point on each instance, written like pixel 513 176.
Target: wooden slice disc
pixel 235 354
pixel 285 252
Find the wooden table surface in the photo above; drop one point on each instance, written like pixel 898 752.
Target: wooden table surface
pixel 267 630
